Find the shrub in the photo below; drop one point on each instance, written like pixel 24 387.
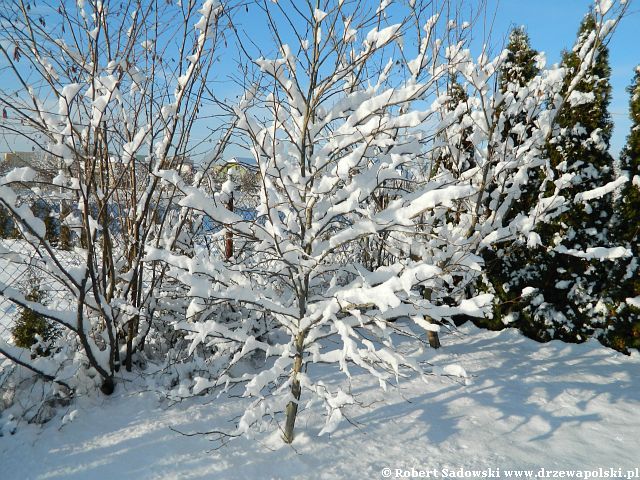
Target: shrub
pixel 32 328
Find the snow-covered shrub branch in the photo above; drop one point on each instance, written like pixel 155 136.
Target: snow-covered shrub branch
pixel 496 133
pixel 328 144
pixel 98 89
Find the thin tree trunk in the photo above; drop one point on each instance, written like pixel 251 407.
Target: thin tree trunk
pixel 292 406
pixel 433 337
pixel 128 358
pixel 132 329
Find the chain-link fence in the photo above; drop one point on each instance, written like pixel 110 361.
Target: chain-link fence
pixel 22 269
pixel 13 273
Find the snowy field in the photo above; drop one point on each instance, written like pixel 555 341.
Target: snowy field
pixel 523 405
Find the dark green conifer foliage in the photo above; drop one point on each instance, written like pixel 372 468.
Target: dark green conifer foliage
pixel 30 324
pixel 583 144
pixel 520 65
pixel 5 223
pixel 573 305
pixel 570 301
pixel 507 267
pixel 624 330
pixel 64 241
pixel 629 200
pixel 456 154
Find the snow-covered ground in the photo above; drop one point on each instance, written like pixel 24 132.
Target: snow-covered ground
pixel 523 406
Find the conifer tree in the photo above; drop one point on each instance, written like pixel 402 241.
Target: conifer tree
pixel 518 70
pixel 33 330
pixel 520 65
pixel 455 152
pixel 569 276
pixel 629 201
pixel 624 330
pixel 506 267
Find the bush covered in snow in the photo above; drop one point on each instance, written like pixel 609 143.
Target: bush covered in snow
pixel 389 168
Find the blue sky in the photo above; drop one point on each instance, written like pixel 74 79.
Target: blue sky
pixel 551 24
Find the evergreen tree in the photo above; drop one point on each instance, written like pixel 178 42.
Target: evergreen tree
pixel 455 153
pixel 629 201
pixel 520 65
pixel 624 330
pixel 506 267
pixel 32 330
pixel 519 68
pixel 64 241
pixel 570 303
pixel 586 126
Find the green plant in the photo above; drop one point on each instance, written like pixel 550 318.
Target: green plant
pixel 5 223
pixel 64 238
pixel 33 328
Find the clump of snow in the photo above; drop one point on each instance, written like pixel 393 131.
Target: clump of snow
pixel 20 174
pixel 633 301
pixel 601 191
pixel 604 6
pixel 597 253
pixel 319 15
pixel 378 38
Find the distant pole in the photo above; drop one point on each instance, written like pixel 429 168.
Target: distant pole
pixel 433 337
pixel 228 238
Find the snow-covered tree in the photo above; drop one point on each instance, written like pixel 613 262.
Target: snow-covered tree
pixel 624 286
pixel 343 135
pixel 520 64
pixel 388 162
pixel 506 265
pixel 512 128
pixel 569 276
pixel 89 85
pixel 333 127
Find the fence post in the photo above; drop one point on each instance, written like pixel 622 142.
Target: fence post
pixel 228 237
